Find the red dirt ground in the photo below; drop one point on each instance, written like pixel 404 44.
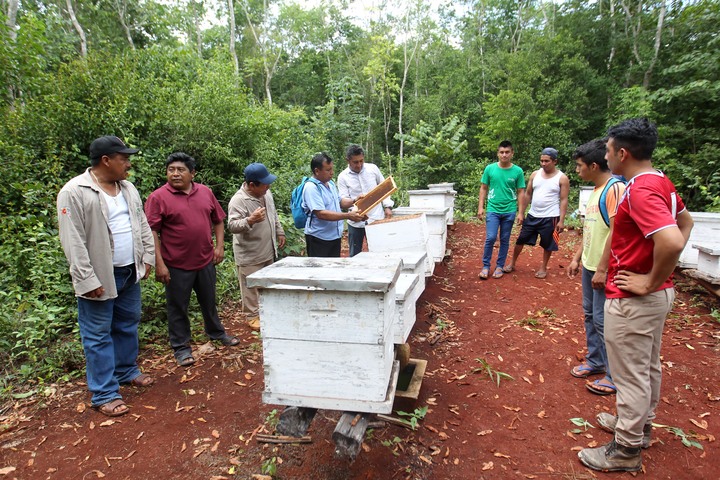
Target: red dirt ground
pixel 200 423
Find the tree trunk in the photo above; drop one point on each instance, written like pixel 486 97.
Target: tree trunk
pixel 613 27
pixel 656 49
pixel 198 30
pixel 10 21
pixel 231 16
pixel 78 28
pixel 121 7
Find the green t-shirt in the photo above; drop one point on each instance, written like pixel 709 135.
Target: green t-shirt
pixel 503 184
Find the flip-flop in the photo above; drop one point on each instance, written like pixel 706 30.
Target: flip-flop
pixel 584 370
pixel 540 275
pixel 498 273
pixel 484 273
pixel 602 387
pixel 508 269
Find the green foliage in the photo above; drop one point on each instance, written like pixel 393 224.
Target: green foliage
pixel 414 417
pixel 685 438
pixel 580 422
pixel 494 375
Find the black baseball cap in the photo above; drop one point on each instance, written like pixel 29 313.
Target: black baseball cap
pixel 108 145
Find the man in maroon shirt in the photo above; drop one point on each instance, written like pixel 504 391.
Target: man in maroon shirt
pixel 650 231
pixel 180 214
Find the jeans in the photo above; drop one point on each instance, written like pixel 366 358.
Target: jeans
pixel 355 239
pixel 109 332
pixel 177 297
pixel 593 304
pixel 494 222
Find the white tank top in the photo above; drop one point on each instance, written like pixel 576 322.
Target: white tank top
pixel 546 195
pixel 121 229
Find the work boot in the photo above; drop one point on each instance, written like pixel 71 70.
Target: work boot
pixel 607 422
pixel 254 323
pixel 612 457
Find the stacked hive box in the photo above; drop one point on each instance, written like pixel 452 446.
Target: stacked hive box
pixel 437 228
pixel 439 195
pixel 326 325
pixel 401 234
pixel 409 287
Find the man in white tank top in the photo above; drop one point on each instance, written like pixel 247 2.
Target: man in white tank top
pixel 547 193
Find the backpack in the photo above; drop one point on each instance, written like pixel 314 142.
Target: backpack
pixel 602 203
pixel 300 215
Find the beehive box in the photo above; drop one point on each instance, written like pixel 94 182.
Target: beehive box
pixel 708 259
pixel 706 231
pixel 409 287
pixel 437 228
pixel 401 234
pixel 326 326
pixel 437 197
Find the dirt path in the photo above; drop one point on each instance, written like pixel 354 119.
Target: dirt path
pixel 201 423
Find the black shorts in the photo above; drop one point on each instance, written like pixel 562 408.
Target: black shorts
pixel 317 247
pixel 532 228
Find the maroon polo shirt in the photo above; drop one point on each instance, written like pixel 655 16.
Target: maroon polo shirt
pixel 184 222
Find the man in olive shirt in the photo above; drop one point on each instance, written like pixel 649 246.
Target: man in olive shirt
pixel 257 233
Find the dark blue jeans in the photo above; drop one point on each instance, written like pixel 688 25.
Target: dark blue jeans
pixel 356 236
pixel 109 331
pixel 594 308
pixel 494 222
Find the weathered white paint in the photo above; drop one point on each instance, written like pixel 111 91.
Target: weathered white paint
pixel 413 261
pixel 706 231
pixel 434 199
pixel 442 186
pixel 343 274
pixel 437 228
pixel 408 234
pixel 330 403
pixel 708 259
pixel 407 293
pixel 326 326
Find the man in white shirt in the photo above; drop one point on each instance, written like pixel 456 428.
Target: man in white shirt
pixel 354 182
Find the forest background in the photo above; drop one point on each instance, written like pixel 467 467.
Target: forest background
pixel 428 88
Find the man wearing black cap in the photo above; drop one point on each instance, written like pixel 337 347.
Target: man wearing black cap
pixel 257 233
pixel 109 246
pixel 547 193
pixel 180 214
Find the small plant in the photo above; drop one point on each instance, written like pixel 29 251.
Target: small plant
pixel 413 418
pixel 269 466
pixel 272 419
pixel 580 422
pixel 391 444
pixel 440 324
pixel 495 376
pixel 685 438
pixel 715 315
pixel 529 321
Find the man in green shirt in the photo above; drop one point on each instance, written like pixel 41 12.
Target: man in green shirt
pixel 501 184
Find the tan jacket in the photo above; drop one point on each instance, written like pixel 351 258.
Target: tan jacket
pixel 250 242
pixel 86 238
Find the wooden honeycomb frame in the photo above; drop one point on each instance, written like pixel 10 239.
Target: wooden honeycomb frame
pixel 376 195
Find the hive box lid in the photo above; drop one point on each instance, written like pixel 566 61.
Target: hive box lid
pixel 426 211
pixel 338 274
pixel 411 259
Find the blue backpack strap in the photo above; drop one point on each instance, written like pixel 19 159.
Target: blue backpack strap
pixel 602 203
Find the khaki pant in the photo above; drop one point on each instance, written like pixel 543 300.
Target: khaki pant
pixel 633 335
pixel 249 295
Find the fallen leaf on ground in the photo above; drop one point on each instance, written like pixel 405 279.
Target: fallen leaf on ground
pixel 501 455
pixel 215 434
pixel 488 466
pixel 107 423
pixel 431 428
pixel 541 414
pixel 184 447
pixel 149 407
pixel 527 379
pixel 541 378
pixel 701 424
pixel 514 409
pixel 6 470
pixel 240 384
pixel 484 432
pixel 425 459
pixel 80 407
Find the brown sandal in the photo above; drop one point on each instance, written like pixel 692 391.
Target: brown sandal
pixel 142 380
pixel 110 409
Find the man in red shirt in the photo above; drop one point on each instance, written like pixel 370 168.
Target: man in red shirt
pixel 180 214
pixel 650 231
